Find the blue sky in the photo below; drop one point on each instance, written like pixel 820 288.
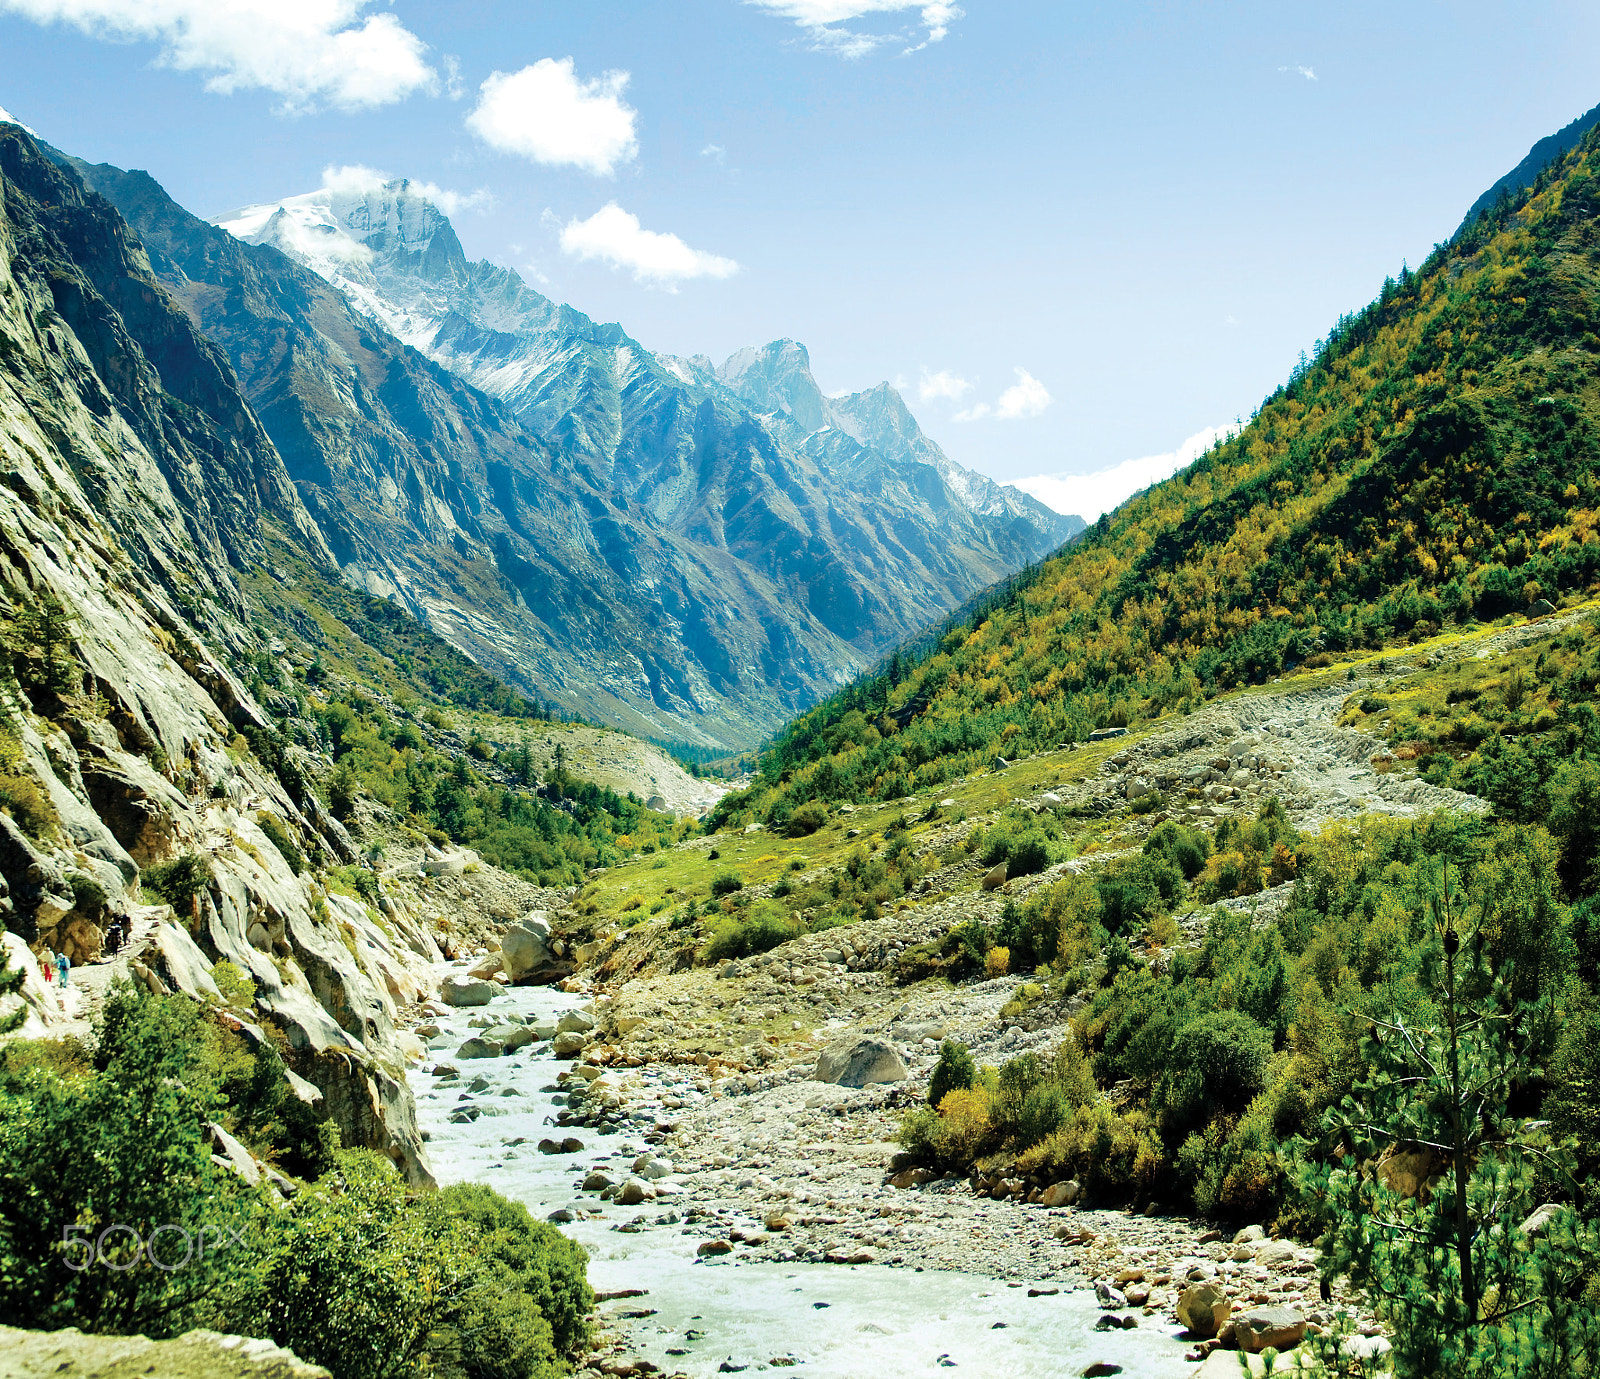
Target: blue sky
pixel 1075 235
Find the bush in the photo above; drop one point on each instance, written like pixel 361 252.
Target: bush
pixel 726 883
pixel 955 1069
pixel 360 880
pixel 1217 1060
pixel 88 895
pixel 278 836
pixel 121 1144
pixel 763 927
pixel 179 881
pixel 964 1131
pixel 24 801
pixel 236 988
pixel 807 819
pixel 539 1261
pixel 1029 854
pixel 1186 848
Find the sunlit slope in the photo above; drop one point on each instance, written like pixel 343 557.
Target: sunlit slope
pixel 1433 463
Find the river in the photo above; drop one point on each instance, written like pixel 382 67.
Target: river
pixel 709 1317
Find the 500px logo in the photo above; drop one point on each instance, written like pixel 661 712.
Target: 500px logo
pixel 120 1247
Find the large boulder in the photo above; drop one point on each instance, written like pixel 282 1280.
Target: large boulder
pixel 194 1355
pixel 1203 1309
pixel 468 991
pixel 568 1044
pixel 575 1022
pixel 1260 1327
pixel 860 1062
pixel 527 951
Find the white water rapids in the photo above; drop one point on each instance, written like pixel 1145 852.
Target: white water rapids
pixel 836 1321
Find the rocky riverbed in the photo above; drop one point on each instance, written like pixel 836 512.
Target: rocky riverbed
pixel 674 1174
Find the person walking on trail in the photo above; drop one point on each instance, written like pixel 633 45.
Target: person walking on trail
pixel 63 965
pixel 47 967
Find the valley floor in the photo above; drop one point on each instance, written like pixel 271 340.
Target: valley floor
pixel 746 1154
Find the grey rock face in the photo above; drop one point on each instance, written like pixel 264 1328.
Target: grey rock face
pixel 858 1063
pixel 138 480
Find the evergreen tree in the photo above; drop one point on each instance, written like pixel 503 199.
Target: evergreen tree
pixel 1476 1276
pixel 11 979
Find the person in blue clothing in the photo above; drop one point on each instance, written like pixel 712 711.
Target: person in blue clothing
pixel 63 966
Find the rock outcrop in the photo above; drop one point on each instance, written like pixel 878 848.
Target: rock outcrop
pixel 137 482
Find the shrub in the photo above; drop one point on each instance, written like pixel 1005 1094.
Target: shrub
pixel 236 988
pixel 726 883
pixel 1217 1060
pixel 761 928
pixel 1029 854
pixel 24 801
pixel 965 1129
pixel 179 881
pixel 1186 848
pixel 807 819
pixel 534 1257
pixel 1045 1110
pixel 361 881
pixel 955 1069
pixel 88 895
pixel 121 1143
pixel 278 836
pixel 996 962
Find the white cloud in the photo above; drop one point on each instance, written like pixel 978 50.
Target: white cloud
pixel 305 51
pixel 715 152
pixel 1089 495
pixel 547 114
pixel 942 384
pixel 1027 397
pixel 614 235
pixel 824 21
pixel 356 178
pixel 1305 72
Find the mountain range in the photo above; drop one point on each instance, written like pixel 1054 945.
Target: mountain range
pixel 688 552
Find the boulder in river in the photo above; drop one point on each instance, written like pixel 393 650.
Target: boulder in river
pixel 528 953
pixel 468 991
pixel 1203 1309
pixel 861 1062
pixel 568 1044
pixel 575 1022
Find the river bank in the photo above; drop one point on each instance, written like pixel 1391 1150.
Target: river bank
pixel 745 1222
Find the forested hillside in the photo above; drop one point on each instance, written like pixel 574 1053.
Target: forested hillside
pixel 1433 462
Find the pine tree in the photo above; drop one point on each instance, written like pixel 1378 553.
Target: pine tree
pixel 1477 1278
pixel 11 979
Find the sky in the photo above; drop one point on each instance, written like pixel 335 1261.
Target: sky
pixel 1079 238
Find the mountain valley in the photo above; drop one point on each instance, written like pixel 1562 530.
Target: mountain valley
pixel 1118 915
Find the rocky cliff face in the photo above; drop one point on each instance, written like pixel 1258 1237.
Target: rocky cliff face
pixel 134 479
pixel 782 540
